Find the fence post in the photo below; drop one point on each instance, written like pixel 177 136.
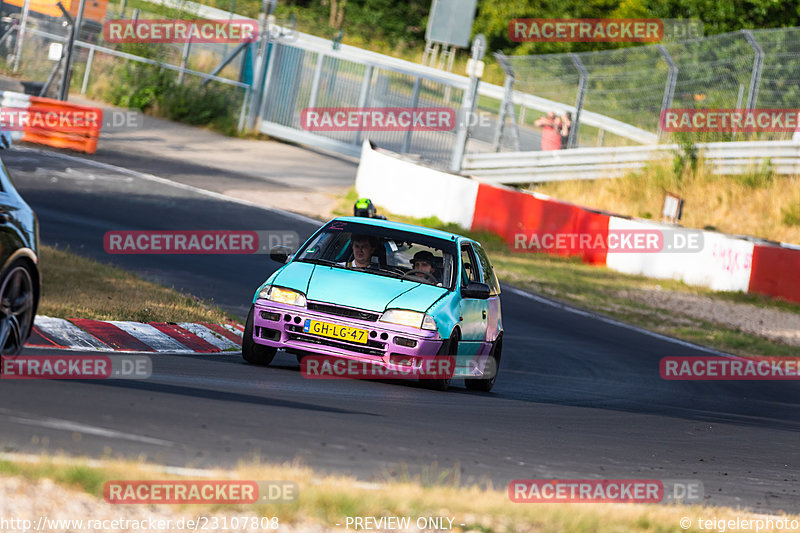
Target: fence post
pixel 414 103
pixel 468 104
pixel 506 106
pixel 362 98
pixel 26 7
pixel 576 122
pixel 88 70
pixel 243 112
pixel 758 61
pixel 187 47
pixel 73 36
pixel 312 99
pixel 669 89
pixel 259 85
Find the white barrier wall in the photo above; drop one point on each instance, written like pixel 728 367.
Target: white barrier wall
pixel 722 264
pixel 409 189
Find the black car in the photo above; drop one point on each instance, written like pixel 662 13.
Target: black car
pixel 19 257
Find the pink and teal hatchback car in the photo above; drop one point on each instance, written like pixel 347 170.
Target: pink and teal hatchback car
pixel 386 293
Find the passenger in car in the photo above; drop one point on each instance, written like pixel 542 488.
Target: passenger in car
pixel 424 261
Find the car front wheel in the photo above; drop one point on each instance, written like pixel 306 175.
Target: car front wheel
pixel 252 352
pixel 492 365
pixel 449 349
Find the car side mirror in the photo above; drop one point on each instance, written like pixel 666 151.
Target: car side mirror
pixel 480 291
pixel 280 254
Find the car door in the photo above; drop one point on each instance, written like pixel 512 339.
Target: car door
pixel 472 311
pixel 494 323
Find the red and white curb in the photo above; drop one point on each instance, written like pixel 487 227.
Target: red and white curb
pixel 119 336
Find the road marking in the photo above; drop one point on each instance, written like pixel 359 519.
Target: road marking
pixel 68 425
pixel 164 181
pixel 608 320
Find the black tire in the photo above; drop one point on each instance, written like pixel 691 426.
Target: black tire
pixel 449 348
pixel 17 306
pixel 486 384
pixel 252 352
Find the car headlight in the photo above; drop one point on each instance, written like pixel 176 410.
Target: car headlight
pixel 413 319
pixel 284 296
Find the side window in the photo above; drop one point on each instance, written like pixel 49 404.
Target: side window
pixel 469 267
pixel 488 272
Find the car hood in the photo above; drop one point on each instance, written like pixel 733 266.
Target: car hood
pixel 357 289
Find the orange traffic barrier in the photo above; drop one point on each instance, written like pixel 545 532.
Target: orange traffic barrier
pixel 62 125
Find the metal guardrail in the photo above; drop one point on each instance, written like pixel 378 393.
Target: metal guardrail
pixel 594 163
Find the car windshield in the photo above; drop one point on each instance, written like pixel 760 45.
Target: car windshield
pixel 382 252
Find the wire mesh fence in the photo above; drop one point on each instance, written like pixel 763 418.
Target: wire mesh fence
pixel 302 77
pixel 738 70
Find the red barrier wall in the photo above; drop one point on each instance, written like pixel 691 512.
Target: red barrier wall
pixel 508 213
pixel 776 272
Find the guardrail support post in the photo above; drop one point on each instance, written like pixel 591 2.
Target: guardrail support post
pixel 576 122
pixel 669 89
pixel 755 77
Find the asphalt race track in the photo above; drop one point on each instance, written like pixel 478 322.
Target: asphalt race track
pixel 577 397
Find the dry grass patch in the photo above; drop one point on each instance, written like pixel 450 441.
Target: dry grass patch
pixel 327 500
pixel 77 287
pixel 759 203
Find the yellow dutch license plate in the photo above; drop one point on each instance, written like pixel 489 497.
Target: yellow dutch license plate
pixel 334 331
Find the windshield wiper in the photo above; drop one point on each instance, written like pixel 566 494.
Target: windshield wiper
pixel 317 261
pixel 384 272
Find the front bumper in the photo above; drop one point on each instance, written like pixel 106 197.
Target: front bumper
pixel 281 326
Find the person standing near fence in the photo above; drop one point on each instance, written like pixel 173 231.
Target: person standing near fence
pixel 551 131
pixel 566 125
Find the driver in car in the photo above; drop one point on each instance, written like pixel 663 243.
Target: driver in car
pixel 423 262
pixel 363 247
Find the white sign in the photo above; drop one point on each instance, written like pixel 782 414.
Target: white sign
pixel 475 68
pixel 54 52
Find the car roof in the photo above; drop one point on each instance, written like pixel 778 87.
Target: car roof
pixel 401 226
